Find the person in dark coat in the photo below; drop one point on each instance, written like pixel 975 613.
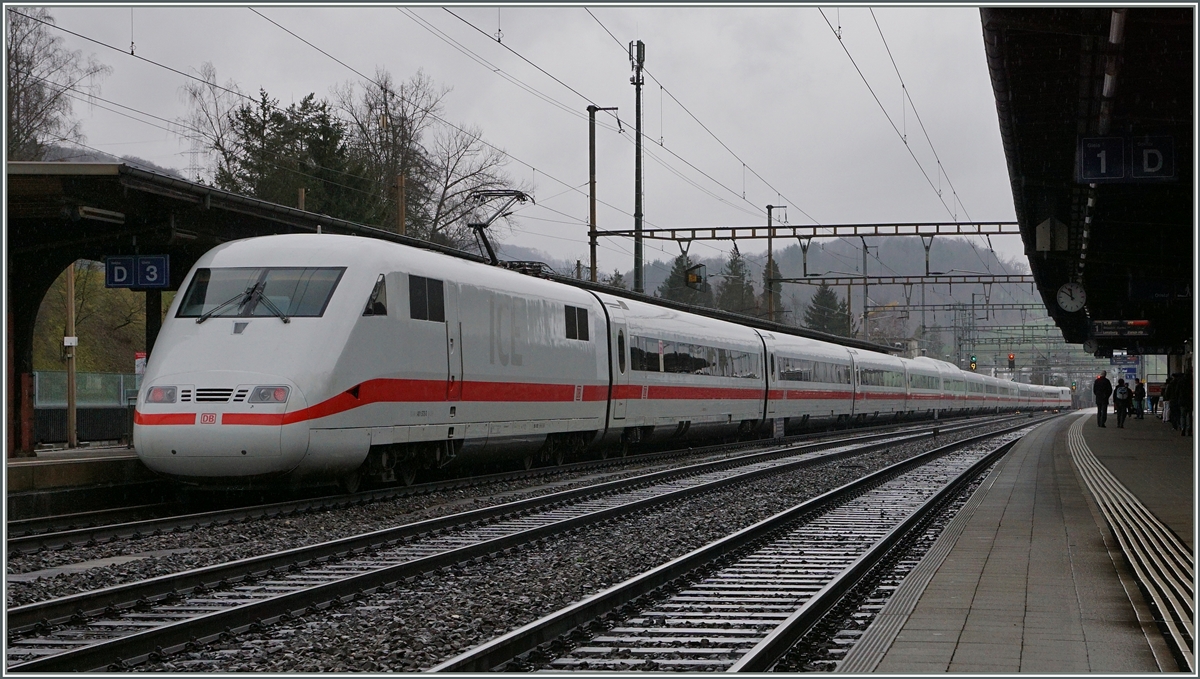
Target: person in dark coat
pixel 1102 389
pixel 1139 398
pixel 1183 396
pixel 1175 398
pixel 1122 400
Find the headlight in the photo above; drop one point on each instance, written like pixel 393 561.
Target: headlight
pixel 269 395
pixel 160 395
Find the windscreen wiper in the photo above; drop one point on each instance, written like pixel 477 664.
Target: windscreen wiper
pixel 263 299
pixel 236 298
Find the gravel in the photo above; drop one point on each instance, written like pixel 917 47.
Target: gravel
pixel 421 623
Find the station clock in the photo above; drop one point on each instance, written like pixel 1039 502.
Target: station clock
pixel 1071 297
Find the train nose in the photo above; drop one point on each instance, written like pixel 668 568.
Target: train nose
pixel 213 426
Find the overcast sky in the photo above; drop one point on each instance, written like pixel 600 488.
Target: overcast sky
pixel 774 85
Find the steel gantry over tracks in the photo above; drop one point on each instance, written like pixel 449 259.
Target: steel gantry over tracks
pixel 927 229
pixel 944 279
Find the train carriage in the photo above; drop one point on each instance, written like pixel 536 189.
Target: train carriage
pixel 976 400
pixel 366 346
pixel 685 374
pixel 880 390
pixel 812 382
pixel 924 387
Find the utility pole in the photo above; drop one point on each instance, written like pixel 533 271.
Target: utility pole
pixel 866 330
pixel 401 207
pixel 70 341
pixel 592 181
pixel 770 268
pixel 637 57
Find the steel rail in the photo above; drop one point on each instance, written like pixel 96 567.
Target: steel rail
pixel 507 647
pixel 35 541
pixel 174 637
pixel 1162 564
pixel 780 640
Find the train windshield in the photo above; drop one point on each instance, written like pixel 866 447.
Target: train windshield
pixel 245 291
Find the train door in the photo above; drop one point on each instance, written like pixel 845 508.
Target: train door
pixel 855 388
pixel 619 341
pixel 454 361
pixel 772 383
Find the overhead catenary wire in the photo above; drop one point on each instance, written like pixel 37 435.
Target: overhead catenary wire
pixel 885 113
pixel 251 99
pixel 516 81
pixel 436 117
pixel 921 123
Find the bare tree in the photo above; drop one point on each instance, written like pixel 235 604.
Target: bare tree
pixel 386 123
pixel 44 80
pixel 462 164
pixel 209 122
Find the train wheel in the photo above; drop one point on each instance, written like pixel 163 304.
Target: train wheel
pixel 558 453
pixel 407 471
pixel 350 482
pixel 528 461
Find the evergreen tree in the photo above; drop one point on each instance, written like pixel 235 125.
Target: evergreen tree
pixel 279 151
pixel 735 292
pixel 675 286
pixel 827 313
pixel 773 290
pixel 616 280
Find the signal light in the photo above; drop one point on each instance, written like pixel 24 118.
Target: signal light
pixel 1012 361
pixel 974 364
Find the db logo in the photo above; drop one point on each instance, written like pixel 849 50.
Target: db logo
pixel 208 418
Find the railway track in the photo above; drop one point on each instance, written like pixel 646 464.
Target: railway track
pixel 740 603
pixel 137 621
pixel 97 527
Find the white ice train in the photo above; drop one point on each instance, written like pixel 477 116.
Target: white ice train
pixel 311 358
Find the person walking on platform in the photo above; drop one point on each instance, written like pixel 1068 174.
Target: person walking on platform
pixel 1102 389
pixel 1166 399
pixel 1139 398
pixel 1175 398
pixel 1183 396
pixel 1122 397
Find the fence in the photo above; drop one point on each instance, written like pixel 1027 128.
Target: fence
pixel 102 413
pixel 92 390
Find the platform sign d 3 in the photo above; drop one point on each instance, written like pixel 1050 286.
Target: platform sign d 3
pixel 141 271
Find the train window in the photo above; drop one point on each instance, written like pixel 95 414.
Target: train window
pixel 377 302
pixel 804 370
pixel 426 299
pixel 250 291
pixel 577 323
pixel 642 356
pixel 924 382
pixel 621 350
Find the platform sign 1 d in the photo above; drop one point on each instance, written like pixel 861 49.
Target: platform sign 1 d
pixel 141 271
pixel 1125 160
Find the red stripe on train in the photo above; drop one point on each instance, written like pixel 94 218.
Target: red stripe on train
pixel 164 418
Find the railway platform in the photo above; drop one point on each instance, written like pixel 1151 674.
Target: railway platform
pixel 1041 571
pixel 76 479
